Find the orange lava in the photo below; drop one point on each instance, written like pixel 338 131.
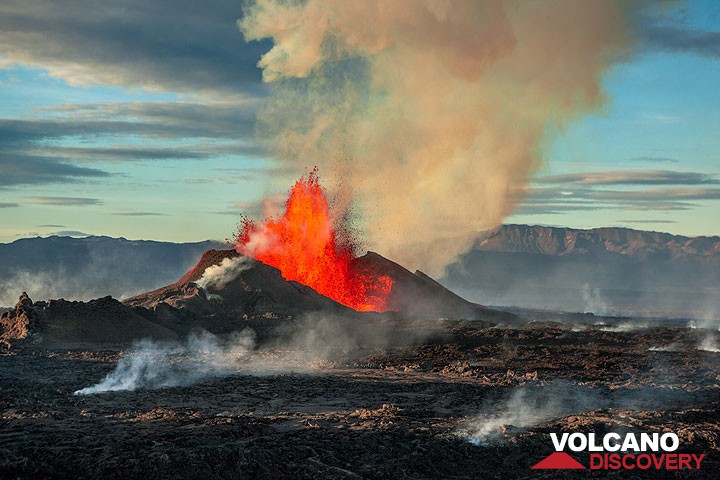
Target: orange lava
pixel 307 247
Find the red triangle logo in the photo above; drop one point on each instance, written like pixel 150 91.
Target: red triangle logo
pixel 558 461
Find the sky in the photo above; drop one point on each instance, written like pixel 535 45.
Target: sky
pixel 136 118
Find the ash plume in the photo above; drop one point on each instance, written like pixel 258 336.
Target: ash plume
pixel 433 114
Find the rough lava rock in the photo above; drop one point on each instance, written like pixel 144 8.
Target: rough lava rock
pixel 18 324
pixel 61 323
pixel 256 296
pixel 419 296
pixel 259 291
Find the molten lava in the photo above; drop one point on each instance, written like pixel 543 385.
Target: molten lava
pixel 307 247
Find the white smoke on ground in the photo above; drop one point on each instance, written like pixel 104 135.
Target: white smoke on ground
pixel 671 347
pixel 531 405
pixel 151 365
pixel 628 326
pixel 525 407
pixel 709 344
pixel 304 346
pixel 434 113
pixel 331 337
pixel 593 301
pixel 217 276
pixel 710 324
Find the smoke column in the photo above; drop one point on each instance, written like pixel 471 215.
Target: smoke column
pixel 433 113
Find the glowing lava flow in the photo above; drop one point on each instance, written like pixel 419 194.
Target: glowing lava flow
pixel 306 247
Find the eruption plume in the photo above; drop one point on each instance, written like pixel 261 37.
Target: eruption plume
pixel 434 112
pixel 311 247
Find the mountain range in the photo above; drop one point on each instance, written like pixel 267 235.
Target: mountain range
pixel 603 270
pixel 224 293
pixel 92 267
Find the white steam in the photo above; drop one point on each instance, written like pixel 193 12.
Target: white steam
pixel 301 346
pixel 531 405
pixel 153 365
pixel 593 301
pixel 628 326
pixel 519 411
pixel 709 344
pixel 671 347
pixel 527 406
pixel 217 276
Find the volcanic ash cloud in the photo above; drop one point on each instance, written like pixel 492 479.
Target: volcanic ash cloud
pixel 433 113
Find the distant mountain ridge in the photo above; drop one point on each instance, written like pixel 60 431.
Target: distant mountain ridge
pixel 625 241
pixel 224 293
pixel 92 267
pixel 602 270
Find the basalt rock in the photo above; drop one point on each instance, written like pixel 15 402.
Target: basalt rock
pixel 249 294
pixel 61 323
pixel 417 295
pixel 257 291
pixel 20 324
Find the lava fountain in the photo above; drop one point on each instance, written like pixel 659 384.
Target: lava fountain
pixel 307 246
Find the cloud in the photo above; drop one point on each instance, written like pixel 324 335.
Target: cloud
pixel 656 159
pixel 647 221
pixel 59 233
pixel 228 179
pixel 684 40
pixel 583 192
pixel 216 119
pixel 123 153
pixel 126 153
pixel 657 194
pixel 219 120
pixel 140 214
pixel 660 206
pixel 51 226
pixel 8 205
pixel 23 169
pixel 172 45
pixel 65 201
pixel 553 209
pixel 632 177
pixel 658 118
pixel 69 233
pixel 38 150
pixel 549 200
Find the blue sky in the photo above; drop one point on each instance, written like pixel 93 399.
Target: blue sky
pixel 132 122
